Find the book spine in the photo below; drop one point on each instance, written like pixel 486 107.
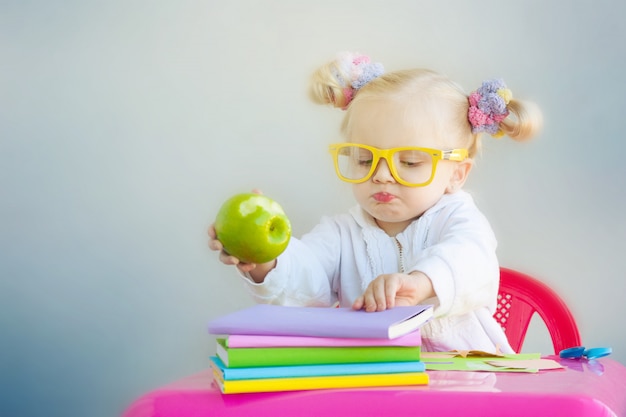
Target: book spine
pixel 255 357
pixel 322 382
pixel 315 370
pixel 241 340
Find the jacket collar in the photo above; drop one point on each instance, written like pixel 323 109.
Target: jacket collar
pixel 366 221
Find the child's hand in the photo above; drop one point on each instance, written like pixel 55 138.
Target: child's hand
pixel 257 272
pixel 390 290
pixel 225 258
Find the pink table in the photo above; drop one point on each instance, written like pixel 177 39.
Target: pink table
pixel 583 389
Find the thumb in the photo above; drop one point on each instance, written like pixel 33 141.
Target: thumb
pixel 358 303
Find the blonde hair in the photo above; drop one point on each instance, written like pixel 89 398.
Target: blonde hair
pixel 431 92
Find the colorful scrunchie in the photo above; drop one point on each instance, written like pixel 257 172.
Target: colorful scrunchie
pixel 488 107
pixel 353 71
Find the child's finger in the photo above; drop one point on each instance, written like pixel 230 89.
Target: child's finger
pixel 358 303
pixel 227 259
pixel 215 245
pixel 380 293
pixel 245 268
pixel 370 298
pixel 391 289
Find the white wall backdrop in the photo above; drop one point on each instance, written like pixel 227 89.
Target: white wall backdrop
pixel 125 124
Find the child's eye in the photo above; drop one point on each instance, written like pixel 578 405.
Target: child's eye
pixel 365 162
pixel 410 164
pixel 412 159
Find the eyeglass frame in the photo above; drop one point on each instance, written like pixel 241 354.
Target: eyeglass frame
pixel 456 155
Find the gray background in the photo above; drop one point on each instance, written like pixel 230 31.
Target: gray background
pixel 125 124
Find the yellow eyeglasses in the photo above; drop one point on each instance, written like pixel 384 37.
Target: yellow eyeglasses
pixel 410 166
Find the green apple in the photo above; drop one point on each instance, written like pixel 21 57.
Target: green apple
pixel 252 228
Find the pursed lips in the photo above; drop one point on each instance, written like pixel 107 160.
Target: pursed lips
pixel 383 197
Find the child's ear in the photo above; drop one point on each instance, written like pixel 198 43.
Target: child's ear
pixel 459 175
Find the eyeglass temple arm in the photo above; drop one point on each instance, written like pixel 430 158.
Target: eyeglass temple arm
pixel 455 155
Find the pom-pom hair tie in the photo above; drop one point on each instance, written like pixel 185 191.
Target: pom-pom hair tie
pixel 353 71
pixel 488 107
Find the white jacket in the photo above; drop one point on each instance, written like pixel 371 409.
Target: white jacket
pixel 452 243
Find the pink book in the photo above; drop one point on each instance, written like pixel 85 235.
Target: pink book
pixel 253 341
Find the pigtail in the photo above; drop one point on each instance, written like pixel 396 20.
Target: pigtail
pixel 493 110
pixel 338 81
pixel 524 120
pixel 324 87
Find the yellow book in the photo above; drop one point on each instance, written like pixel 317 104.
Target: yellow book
pixel 319 382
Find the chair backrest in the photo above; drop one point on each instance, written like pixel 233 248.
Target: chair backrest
pixel 519 297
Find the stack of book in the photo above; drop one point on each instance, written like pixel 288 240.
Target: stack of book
pixel 269 348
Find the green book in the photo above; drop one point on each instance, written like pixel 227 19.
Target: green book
pixel 280 356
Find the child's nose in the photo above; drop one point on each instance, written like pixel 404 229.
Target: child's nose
pixel 382 173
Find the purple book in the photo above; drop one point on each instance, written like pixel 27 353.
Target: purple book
pixel 266 319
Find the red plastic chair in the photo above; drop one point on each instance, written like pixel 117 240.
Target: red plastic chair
pixel 519 297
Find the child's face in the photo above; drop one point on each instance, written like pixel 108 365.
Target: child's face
pixel 383 124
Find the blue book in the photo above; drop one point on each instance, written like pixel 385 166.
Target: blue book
pixel 227 373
